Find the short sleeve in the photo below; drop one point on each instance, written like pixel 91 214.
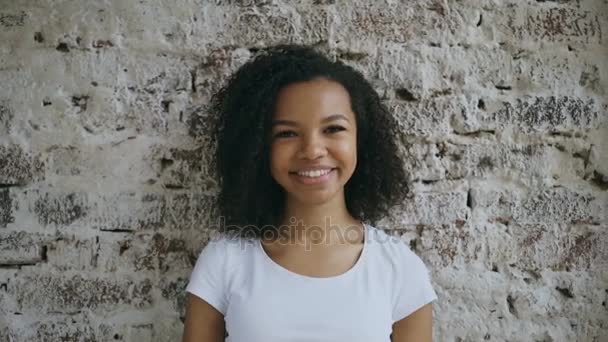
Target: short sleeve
pixel 413 288
pixel 208 278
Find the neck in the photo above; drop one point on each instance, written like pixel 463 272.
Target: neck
pixel 321 224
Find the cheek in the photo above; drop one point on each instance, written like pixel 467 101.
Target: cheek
pixel 347 150
pixel 278 156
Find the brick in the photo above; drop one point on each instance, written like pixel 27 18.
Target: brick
pixel 90 330
pixel 6 117
pixel 549 24
pixel 484 70
pixel 153 96
pixel 67 161
pixel 18 166
pixel 425 118
pixel 431 159
pixel 436 85
pixel 557 247
pixel 142 332
pixel 182 168
pixel 161 98
pixel 267 25
pixel 206 78
pixel 225 25
pixel 396 23
pixel 543 162
pixel 549 205
pixel 533 114
pixel 6 208
pixel 164 254
pixel 174 290
pixel 119 165
pixel 532 247
pixel 65 293
pixel 201 125
pixel 571 298
pixel 425 72
pixel 190 211
pixel 209 74
pixel 31 32
pixel 86 326
pixel 447 244
pixel 516 306
pixel 14 19
pixel 551 72
pixel 61 209
pixel 549 162
pixel 122 211
pixel 62 331
pixel 155 330
pixel 67 252
pixel 243 3
pixel 129 211
pixel 429 208
pixel 5 334
pixel 113 253
pixel 21 248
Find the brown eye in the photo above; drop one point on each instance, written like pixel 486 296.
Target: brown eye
pixel 282 134
pixel 336 128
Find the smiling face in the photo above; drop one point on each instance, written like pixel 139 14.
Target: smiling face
pixel 313 128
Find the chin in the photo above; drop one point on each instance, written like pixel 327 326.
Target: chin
pixel 313 197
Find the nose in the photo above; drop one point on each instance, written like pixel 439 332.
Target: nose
pixel 312 147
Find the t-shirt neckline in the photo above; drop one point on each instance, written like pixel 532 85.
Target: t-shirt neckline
pixel 347 273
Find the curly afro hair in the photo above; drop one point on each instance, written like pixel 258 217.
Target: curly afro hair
pixel 250 200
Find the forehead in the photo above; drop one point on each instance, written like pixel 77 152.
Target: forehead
pixel 314 99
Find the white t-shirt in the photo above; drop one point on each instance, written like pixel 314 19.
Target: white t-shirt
pixel 263 301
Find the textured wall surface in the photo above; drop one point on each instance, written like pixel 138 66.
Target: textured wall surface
pixel 106 192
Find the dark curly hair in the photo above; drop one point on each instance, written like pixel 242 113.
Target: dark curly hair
pixel 250 200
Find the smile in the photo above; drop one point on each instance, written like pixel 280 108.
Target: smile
pixel 313 177
pixel 316 173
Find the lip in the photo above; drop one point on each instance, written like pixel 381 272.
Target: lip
pixel 314 168
pixel 313 181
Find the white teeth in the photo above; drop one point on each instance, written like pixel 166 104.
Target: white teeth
pixel 314 173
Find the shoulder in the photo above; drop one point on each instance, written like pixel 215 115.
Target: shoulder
pixel 215 247
pixel 395 251
pixel 215 268
pixel 223 253
pixel 226 246
pixel 390 245
pixel 409 287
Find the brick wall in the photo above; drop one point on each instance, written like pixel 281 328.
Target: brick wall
pixel 105 189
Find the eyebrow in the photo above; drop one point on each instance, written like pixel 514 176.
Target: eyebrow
pixel 327 119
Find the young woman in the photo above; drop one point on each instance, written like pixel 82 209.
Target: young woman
pixel 305 155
